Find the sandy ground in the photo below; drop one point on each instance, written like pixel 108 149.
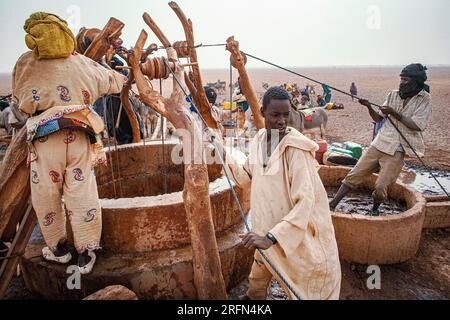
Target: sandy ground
pixel 353 123
pixel 427 276
pixel 374 83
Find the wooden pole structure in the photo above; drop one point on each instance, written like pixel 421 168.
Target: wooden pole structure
pixel 101 46
pixel 208 277
pixel 102 42
pixel 14 185
pixel 18 246
pixel 202 103
pixel 238 61
pixel 125 99
pixel 192 89
pixel 156 30
pixel 14 201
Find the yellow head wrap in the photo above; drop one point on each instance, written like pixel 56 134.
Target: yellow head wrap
pixel 48 36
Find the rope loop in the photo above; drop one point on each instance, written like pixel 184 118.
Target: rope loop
pixel 155 68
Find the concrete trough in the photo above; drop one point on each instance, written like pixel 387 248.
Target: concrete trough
pixel 437 214
pixel 377 240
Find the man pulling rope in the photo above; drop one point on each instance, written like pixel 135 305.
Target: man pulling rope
pixel 410 109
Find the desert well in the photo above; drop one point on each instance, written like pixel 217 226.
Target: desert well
pixel 146 242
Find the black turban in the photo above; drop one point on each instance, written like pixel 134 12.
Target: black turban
pixel 418 73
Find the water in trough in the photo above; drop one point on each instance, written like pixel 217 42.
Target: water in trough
pixel 360 202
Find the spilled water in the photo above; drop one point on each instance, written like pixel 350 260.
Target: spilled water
pixel 421 180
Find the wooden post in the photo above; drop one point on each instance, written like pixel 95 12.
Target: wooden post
pixel 102 42
pixel 156 30
pixel 101 46
pixel 208 277
pixel 192 89
pixel 125 99
pixel 14 185
pixel 18 246
pixel 203 103
pixel 238 61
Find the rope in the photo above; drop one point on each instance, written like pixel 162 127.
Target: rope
pixel 109 146
pixel 124 50
pixel 116 152
pixel 163 142
pixel 201 45
pixel 286 283
pixel 145 129
pixel 231 96
pixel 353 96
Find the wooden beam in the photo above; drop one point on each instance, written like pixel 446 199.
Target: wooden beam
pixel 238 62
pixel 156 30
pixel 192 89
pixel 148 96
pixel 14 184
pixel 9 266
pixel 125 99
pixel 203 103
pixel 102 42
pixel 208 277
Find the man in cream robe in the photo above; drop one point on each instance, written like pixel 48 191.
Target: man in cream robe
pixel 290 216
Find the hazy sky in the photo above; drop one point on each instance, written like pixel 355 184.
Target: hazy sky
pixel 287 32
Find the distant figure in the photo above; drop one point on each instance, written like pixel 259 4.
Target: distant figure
pixel 353 90
pixel 305 92
pixel 321 101
pixel 111 104
pixel 312 97
pixel 4 115
pixel 219 114
pixel 250 129
pixel 326 93
pixel 303 103
pixel 11 119
pixel 115 63
pixel 296 99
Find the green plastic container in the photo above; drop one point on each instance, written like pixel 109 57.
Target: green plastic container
pixel 341 150
pixel 355 148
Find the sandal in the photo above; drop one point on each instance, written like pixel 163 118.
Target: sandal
pixel 86 269
pixel 50 256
